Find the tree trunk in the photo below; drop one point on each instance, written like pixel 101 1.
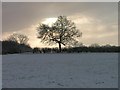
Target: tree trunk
pixel 59 47
pixel 60 44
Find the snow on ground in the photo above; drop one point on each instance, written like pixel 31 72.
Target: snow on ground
pixel 83 70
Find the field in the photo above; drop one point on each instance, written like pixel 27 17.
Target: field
pixel 83 70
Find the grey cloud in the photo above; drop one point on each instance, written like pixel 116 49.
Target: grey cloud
pixel 19 15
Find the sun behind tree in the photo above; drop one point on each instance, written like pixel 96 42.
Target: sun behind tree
pixel 62 32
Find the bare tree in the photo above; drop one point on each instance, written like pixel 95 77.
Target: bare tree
pixel 19 38
pixel 62 32
pixel 94 45
pixel 79 44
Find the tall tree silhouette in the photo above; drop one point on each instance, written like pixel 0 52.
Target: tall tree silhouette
pixel 62 32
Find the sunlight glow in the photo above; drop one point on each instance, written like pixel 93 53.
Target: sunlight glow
pixel 49 21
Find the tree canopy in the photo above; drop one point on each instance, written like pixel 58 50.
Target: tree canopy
pixel 62 32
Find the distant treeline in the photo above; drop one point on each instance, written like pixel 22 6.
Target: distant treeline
pixel 11 47
pixel 78 49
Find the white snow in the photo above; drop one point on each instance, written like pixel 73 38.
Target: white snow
pixel 83 70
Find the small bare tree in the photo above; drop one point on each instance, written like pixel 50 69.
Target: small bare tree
pixel 19 38
pixel 62 32
pixel 94 45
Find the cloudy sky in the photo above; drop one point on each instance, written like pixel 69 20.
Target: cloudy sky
pixel 97 21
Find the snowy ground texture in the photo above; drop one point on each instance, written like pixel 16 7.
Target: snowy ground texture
pixel 83 70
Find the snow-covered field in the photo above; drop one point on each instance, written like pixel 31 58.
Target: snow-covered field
pixel 83 70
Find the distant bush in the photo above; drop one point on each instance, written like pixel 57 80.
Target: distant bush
pixel 36 50
pixel 0 47
pixel 25 48
pixel 11 47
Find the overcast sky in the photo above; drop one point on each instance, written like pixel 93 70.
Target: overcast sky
pixel 97 21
